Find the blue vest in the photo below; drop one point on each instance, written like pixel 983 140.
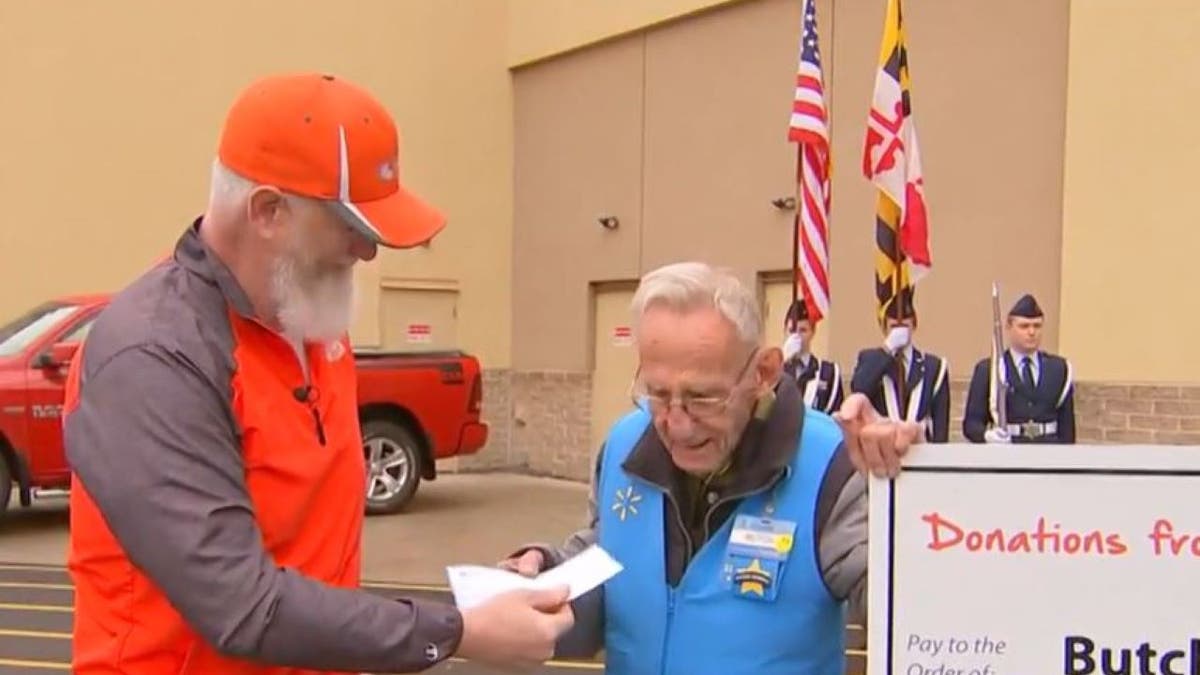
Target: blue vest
pixel 708 623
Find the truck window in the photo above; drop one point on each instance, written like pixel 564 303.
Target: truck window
pixel 28 328
pixel 79 332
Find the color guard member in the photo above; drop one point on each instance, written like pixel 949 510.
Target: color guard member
pixel 1039 392
pixel 819 381
pixel 925 393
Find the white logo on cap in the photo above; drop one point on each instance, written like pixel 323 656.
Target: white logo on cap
pixel 387 170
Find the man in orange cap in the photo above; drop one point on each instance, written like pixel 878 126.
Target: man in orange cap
pixel 212 427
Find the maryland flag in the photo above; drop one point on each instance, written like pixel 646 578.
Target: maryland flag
pixel 892 161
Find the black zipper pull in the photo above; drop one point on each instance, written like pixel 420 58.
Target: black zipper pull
pixel 320 427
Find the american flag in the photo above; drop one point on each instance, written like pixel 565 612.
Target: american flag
pixel 809 129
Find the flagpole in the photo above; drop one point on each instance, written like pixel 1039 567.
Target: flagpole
pixel 900 213
pixel 796 224
pixel 902 380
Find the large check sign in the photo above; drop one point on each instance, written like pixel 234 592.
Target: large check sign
pixel 1051 560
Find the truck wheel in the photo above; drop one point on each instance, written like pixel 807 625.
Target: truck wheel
pixel 393 458
pixel 6 484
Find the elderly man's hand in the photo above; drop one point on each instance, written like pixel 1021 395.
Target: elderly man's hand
pixel 875 443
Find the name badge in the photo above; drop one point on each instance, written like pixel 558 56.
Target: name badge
pixel 758 536
pixel 754 559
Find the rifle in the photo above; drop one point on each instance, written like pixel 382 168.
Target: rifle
pixel 999 388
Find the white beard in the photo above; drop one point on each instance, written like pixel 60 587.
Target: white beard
pixel 319 309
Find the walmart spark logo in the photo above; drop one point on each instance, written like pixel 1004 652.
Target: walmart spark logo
pixel 626 503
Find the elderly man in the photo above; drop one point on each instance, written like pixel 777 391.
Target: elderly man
pixel 735 510
pixel 212 428
pixel 1039 393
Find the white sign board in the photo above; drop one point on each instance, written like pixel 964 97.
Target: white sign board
pixel 1036 560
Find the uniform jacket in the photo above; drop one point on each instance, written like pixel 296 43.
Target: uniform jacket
pixel 926 394
pixel 820 382
pixel 1052 399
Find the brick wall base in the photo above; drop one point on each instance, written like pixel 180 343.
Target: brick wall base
pixel 540 420
pixel 539 424
pixel 1115 413
pixel 500 453
pixel 551 413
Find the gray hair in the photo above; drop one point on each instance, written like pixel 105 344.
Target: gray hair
pixel 689 286
pixel 228 189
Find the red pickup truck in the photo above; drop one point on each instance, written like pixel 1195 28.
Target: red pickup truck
pixel 414 408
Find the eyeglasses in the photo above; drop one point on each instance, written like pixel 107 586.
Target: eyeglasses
pixel 694 406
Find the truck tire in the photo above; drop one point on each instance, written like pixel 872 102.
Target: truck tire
pixel 6 484
pixel 393 463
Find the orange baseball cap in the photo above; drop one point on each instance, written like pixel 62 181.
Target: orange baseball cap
pixel 320 136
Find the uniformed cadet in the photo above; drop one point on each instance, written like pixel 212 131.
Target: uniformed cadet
pixel 819 381
pixel 1039 391
pixel 736 512
pixel 902 381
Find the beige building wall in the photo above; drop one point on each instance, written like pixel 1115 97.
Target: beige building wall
pixel 113 111
pixel 1129 226
pixel 679 131
pixel 538 29
pixel 667 115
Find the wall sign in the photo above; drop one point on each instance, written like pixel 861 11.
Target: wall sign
pixel 420 333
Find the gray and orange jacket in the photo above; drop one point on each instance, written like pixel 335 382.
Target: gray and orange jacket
pixel 218 494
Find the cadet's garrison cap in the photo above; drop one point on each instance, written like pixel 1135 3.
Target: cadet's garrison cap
pixel 1026 307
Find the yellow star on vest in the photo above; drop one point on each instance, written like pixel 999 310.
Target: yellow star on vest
pixel 625 503
pixel 752 579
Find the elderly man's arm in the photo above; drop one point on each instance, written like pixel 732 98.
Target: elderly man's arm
pixel 842 532
pixel 586 637
pixel 152 442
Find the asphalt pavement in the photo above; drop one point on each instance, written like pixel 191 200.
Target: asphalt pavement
pixel 35 624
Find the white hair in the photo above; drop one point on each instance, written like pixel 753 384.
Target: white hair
pixel 229 189
pixel 689 286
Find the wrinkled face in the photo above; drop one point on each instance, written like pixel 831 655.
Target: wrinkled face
pixel 312 274
pixel 1024 333
pixel 701 383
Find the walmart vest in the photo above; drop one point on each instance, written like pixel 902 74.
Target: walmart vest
pixel 721 618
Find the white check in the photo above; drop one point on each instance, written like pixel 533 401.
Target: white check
pixel 475 584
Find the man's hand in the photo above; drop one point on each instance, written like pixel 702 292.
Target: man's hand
pixel 793 345
pixel 528 564
pixel 897 338
pixel 516 630
pixel 995 435
pixel 875 443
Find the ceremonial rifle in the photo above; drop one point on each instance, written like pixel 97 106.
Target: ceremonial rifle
pixel 999 389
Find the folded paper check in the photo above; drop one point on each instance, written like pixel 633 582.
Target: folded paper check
pixel 475 584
